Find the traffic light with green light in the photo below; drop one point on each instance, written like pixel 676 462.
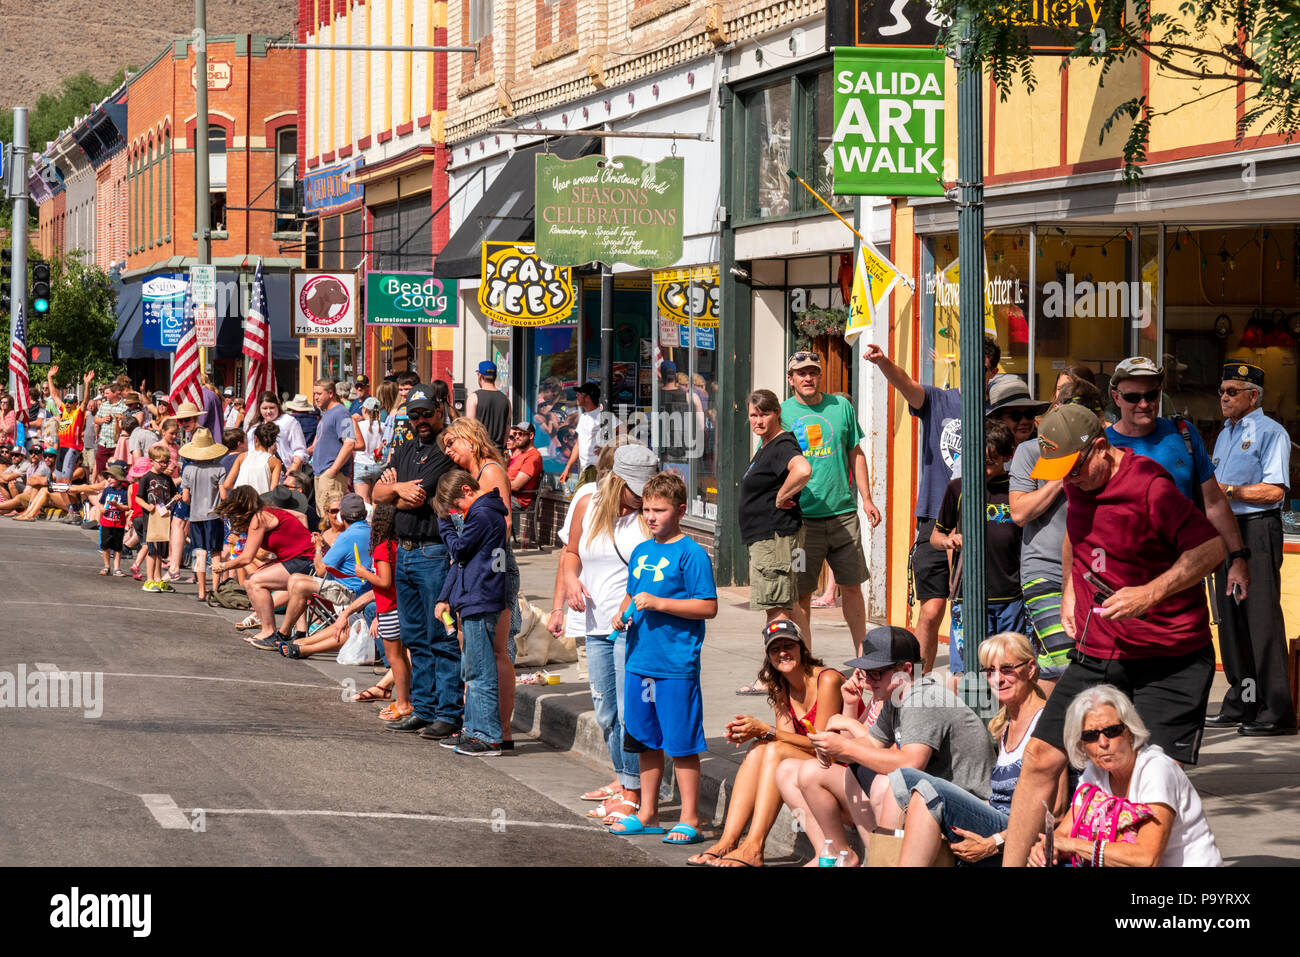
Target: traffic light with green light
pixel 40 286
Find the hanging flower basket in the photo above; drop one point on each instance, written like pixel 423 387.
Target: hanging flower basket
pixel 815 323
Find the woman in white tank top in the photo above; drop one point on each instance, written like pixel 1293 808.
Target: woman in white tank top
pixel 258 467
pixel 606 527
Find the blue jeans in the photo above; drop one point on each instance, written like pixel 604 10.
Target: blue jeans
pixel 999 616
pixel 512 596
pixel 436 686
pixel 951 807
pixel 478 666
pixel 606 668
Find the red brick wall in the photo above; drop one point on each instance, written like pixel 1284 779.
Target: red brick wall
pixel 162 99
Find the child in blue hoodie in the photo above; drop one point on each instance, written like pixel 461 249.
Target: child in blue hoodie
pixel 475 589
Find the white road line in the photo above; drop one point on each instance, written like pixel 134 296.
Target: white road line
pixel 387 815
pixel 245 681
pixel 165 812
pixel 71 604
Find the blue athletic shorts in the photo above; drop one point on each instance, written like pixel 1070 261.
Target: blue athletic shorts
pixel 664 714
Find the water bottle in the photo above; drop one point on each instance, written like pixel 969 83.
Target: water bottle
pixel 843 860
pixel 827 856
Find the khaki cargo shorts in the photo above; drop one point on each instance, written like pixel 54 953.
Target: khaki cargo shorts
pixel 836 540
pixel 772 579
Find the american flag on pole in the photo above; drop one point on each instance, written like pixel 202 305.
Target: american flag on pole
pixel 257 344
pixel 185 371
pixel 18 364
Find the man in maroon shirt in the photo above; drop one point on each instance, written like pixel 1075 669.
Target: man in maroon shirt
pixel 1135 552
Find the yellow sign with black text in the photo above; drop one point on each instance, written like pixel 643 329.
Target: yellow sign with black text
pixel 519 289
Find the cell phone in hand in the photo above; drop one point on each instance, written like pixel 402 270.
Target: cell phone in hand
pixel 1100 586
pixel 1238 594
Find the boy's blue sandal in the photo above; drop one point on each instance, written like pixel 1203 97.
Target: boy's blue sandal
pixel 634 827
pixel 692 835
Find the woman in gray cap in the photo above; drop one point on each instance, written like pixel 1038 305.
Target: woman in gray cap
pixel 593 568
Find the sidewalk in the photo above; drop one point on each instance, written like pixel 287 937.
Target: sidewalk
pixel 1250 786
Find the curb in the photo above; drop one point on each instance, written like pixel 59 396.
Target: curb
pixel 562 716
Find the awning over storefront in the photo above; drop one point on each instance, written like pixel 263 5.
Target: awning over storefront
pixel 505 212
pixel 230 323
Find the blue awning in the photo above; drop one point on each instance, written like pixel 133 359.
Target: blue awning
pixel 230 322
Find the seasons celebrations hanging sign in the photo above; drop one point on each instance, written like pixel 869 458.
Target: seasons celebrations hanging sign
pixel 520 289
pixel 608 210
pixel 888 121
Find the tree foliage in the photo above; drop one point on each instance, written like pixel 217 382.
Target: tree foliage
pixel 79 326
pixel 1182 37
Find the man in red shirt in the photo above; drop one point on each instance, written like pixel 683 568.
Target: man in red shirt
pixel 525 468
pixel 1135 552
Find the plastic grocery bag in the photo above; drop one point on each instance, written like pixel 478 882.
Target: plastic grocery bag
pixel 358 649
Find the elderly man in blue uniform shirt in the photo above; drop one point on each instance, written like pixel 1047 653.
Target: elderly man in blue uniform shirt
pixel 1252 463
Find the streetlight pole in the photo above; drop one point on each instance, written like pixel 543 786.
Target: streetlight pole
pixel 970 253
pixel 202 186
pixel 18 178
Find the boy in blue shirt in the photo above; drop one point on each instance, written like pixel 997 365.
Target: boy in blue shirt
pixel 475 589
pixel 670 594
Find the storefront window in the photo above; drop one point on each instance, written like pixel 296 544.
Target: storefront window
pixel 683 379
pixel 820 130
pixel 1231 293
pixel 553 376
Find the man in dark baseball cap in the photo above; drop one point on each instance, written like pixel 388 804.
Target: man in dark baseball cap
pixel 922 727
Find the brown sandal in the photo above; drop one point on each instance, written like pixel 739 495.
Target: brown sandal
pixel 385 694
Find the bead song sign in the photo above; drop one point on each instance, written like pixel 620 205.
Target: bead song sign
pixel 610 209
pixel 889 109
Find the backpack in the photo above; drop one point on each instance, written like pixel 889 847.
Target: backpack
pixel 1185 430
pixel 230 594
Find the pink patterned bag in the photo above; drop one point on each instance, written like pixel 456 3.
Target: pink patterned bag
pixel 1098 814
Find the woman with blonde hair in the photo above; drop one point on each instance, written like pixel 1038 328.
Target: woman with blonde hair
pixel 466 443
pixel 606 526
pixel 938 809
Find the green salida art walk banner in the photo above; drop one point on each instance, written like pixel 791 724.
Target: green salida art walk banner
pixel 888 121
pixel 608 210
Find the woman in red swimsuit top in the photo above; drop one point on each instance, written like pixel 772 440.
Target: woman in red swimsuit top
pixel 275 530
pixel 804 693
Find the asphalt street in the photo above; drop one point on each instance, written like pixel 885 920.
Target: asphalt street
pixel 208 752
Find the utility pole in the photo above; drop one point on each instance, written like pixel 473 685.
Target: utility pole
pixel 18 179
pixel 970 253
pixel 202 186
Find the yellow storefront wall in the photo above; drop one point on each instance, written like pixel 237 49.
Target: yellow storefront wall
pixel 1038 136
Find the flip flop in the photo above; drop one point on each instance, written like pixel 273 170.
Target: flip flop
pixel 736 860
pixel 369 695
pixel 632 827
pixel 692 835
pixel 752 689
pixel 693 862
pixel 600 794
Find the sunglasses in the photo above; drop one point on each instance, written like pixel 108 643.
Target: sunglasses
pixel 1233 393
pixel 1006 671
pixel 1092 734
pixel 875 674
pixel 1017 415
pixel 1083 460
pixel 333 511
pixel 1133 398
pixel 419 414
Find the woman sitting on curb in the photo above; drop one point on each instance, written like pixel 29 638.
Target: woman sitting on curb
pixel 804 693
pixel 938 809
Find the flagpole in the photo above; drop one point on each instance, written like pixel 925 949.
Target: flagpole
pixel 791 173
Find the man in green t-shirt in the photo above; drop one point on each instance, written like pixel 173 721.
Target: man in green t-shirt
pixel 826 428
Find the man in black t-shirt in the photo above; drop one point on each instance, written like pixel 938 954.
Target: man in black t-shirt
pixel 1002 537
pixel 408 482
pixel 490 405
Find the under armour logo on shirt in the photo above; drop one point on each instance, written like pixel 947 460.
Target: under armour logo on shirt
pixel 658 568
